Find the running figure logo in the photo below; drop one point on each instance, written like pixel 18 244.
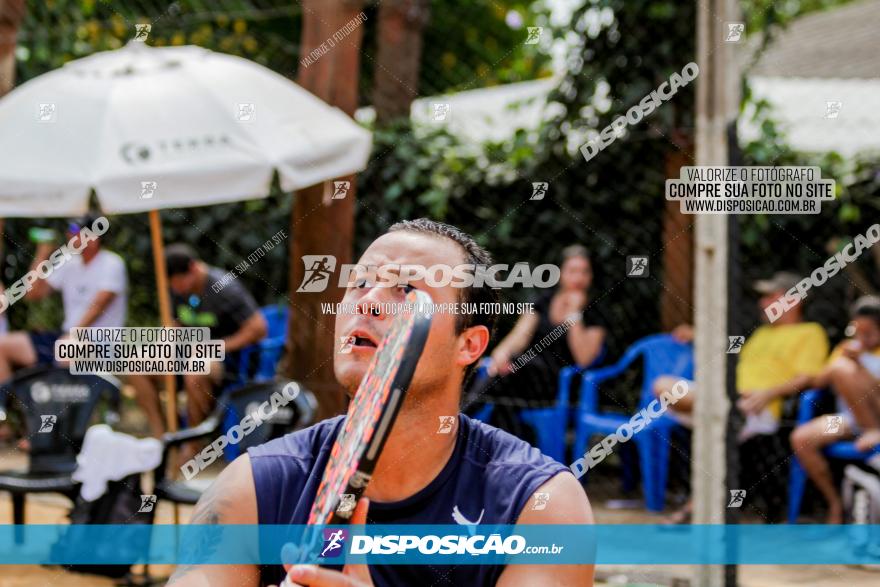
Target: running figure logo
pixel 832 424
pixel 148 502
pixel 636 266
pixel 539 190
pixel 142 31
pixel 340 190
pixel 346 342
pixel 441 112
pixel 735 32
pixel 333 542
pixel 148 189
pixel 534 35
pixel 735 344
pixel 541 500
pixel 246 112
pixel 832 109
pixel 346 504
pixel 736 498
pixel 319 268
pixel 447 423
pixel 46 113
pixel 47 423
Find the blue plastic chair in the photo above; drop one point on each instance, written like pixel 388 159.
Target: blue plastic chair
pixel 550 424
pixel 268 350
pixel 661 355
pixel 845 450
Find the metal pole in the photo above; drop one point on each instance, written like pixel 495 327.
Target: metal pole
pixel 717 104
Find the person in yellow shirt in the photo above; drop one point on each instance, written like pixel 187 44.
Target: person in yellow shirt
pixel 853 372
pixel 777 360
pixel 774 362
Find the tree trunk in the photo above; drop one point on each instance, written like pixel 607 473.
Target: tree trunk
pixel 677 297
pixel 11 13
pixel 398 59
pixel 320 225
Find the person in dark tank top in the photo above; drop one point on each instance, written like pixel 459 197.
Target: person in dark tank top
pixel 437 467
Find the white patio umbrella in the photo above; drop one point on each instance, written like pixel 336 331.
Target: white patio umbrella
pixel 151 128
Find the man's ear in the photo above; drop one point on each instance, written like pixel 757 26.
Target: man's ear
pixel 472 344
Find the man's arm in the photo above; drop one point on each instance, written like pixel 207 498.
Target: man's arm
pixel 585 343
pixel 40 288
pixel 231 499
pixel 568 504
pixel 254 329
pixel 96 308
pixel 754 402
pixel 513 344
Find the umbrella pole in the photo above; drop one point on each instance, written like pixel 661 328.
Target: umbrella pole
pixel 167 321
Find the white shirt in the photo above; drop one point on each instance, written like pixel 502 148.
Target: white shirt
pixel 80 282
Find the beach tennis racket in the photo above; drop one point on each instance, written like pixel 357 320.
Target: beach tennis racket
pixel 368 423
pixel 371 414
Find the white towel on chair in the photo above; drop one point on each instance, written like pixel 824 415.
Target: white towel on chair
pixel 757 424
pixel 110 456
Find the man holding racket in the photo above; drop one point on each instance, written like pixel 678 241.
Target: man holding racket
pixel 474 474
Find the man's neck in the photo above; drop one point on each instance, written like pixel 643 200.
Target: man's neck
pixel 786 320
pixel 415 453
pixel 88 256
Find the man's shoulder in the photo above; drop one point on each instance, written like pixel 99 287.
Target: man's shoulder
pixel 303 445
pixel 505 470
pixel 286 471
pixel 796 330
pixel 108 262
pixel 498 450
pixel 813 329
pixel 110 258
pixel 804 331
pixel 232 291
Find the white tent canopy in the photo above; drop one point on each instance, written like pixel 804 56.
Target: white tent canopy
pixel 150 128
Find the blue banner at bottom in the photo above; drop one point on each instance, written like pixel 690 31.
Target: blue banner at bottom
pixel 440 544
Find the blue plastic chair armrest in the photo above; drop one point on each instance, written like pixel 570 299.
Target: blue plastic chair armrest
pixel 807 406
pixel 565 376
pixel 604 373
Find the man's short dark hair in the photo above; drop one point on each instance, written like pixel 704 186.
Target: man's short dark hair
pixel 178 258
pixel 474 254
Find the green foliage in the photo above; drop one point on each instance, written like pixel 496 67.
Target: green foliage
pixel 803 242
pixel 467 44
pixel 613 203
pixel 763 15
pixel 57 31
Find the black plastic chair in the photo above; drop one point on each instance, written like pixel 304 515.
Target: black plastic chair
pixel 234 405
pixel 58 408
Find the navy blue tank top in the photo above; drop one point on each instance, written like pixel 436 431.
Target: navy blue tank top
pixel 489 479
